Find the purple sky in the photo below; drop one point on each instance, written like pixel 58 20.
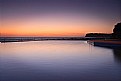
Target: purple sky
pixel 107 12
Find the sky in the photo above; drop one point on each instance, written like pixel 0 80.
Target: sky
pixel 58 17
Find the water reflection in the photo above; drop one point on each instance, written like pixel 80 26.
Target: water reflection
pixel 58 61
pixel 117 55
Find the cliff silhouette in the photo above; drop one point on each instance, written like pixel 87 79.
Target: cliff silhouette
pixel 98 35
pixel 115 35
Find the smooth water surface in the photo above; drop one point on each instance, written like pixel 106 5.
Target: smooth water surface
pixel 58 61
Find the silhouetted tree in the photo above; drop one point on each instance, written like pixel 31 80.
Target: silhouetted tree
pixel 117 31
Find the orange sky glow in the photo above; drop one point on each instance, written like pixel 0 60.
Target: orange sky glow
pixel 53 26
pixel 58 17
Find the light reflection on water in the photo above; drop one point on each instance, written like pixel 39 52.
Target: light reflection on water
pixel 58 61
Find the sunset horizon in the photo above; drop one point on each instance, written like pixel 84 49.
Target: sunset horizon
pixel 60 40
pixel 57 18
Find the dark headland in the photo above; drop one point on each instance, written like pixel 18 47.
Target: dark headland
pixel 112 40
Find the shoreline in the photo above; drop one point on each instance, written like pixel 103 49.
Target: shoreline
pixel 24 39
pixel 115 43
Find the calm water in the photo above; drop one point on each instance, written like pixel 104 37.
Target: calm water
pixel 58 61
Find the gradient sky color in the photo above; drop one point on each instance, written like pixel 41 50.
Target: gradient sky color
pixel 58 17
